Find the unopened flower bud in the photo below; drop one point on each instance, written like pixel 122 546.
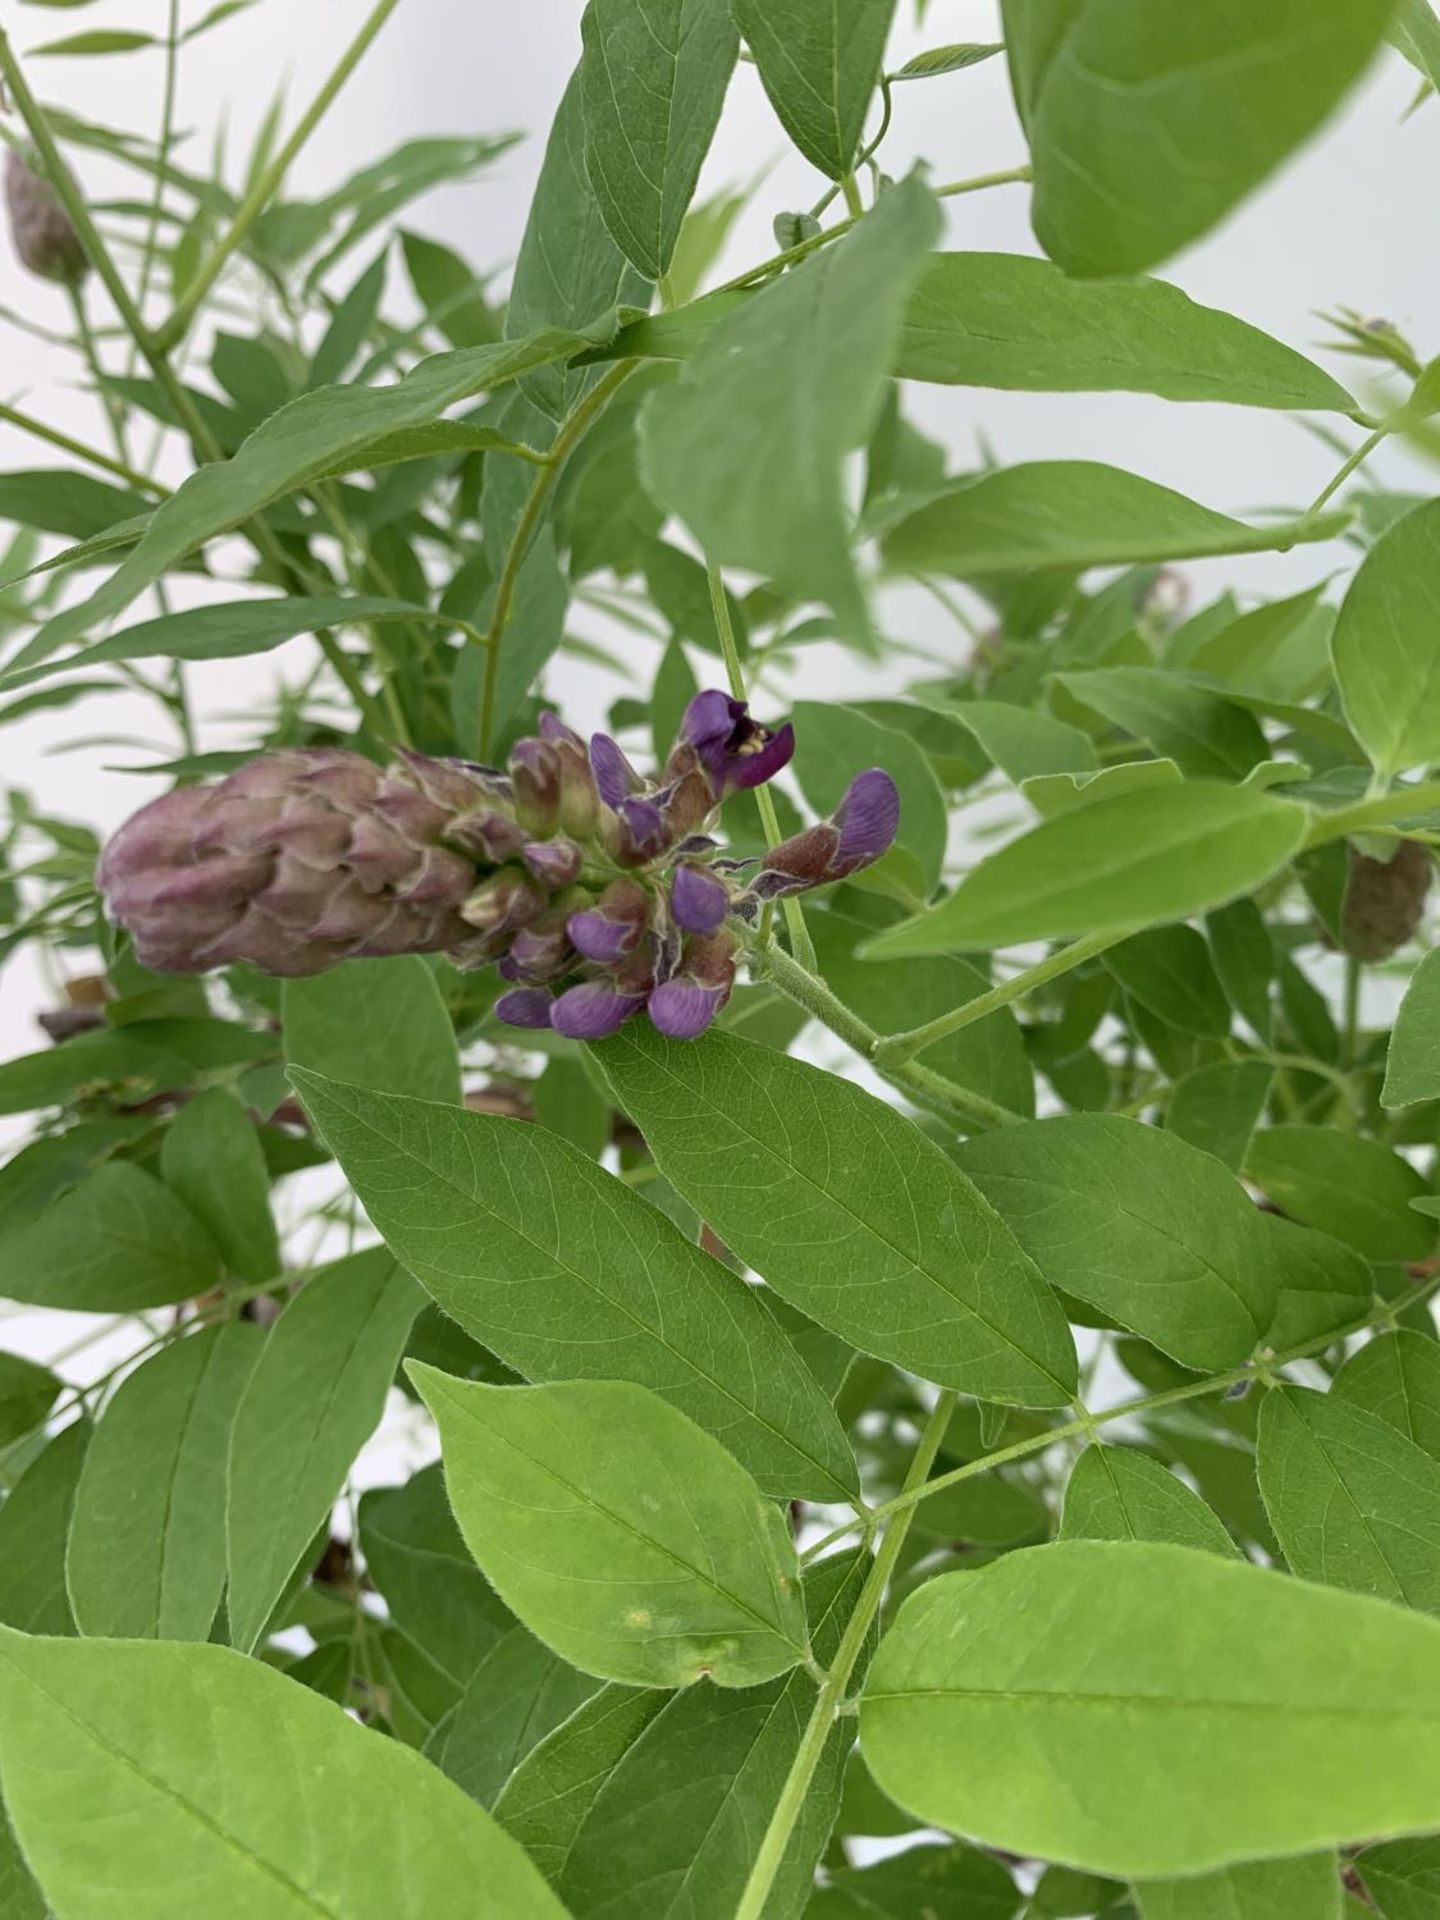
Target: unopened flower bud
pixel 490 838
pixel 44 239
pixel 699 900
pixel 289 864
pixel 615 778
pixel 861 830
pixel 554 863
pixel 503 904
pixel 684 1006
pixel 594 1010
pixel 1385 900
pixel 525 1007
pixel 610 929
pixel 535 777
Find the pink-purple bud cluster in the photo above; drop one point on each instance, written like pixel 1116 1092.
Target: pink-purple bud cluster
pixel 594 892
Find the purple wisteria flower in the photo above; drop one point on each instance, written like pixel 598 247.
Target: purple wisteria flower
pixel 594 892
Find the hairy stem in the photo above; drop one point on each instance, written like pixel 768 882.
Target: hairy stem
pixel 572 431
pixel 270 181
pixel 791 1803
pixel 900 1047
pixel 932 1091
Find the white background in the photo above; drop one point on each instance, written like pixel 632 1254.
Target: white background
pixel 1350 221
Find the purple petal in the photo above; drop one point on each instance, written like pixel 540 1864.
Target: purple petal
pixel 593 1011
pixel 868 818
pixel 710 717
pixel 614 776
pixel 753 769
pixel 699 901
pixel 646 827
pixel 682 1010
pixel 554 729
pixel 600 939
pixel 525 1007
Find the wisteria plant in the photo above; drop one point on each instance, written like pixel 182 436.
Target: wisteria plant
pixel 909 1221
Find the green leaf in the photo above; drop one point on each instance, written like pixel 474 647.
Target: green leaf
pixel 117 1242
pixel 621 1534
pixel 566 1274
pixel 231 630
pixel 1071 513
pixel 820 67
pixel 433 1590
pixel 27 1393
pixel 1148 126
pixel 569 271
pixel 314 1398
pixel 1217 1109
pixel 673 1832
pixel 810 1180
pixel 1403 1877
pixel 951 59
pixel 1003 320
pixel 380 1027
pixel 20 1898
pixel 1351 1187
pixel 1169 970
pixel 1052 794
pixel 1244 957
pixel 34 1525
pixel 653 81
pixel 834 742
pixel 1352 1501
pixel 1412 1065
pixel 73 504
pixel 204 1770
pixel 1283 1719
pixel 1323 1284
pixel 548 1798
pixel 567 1101
pixel 1386 649
pixel 1024 742
pixel 778 395
pixel 99 40
pixel 212 1158
pixel 1156 855
pixel 446 287
pixel 1415 32
pixel 1207 736
pixel 1257 1890
pixel 949 1883
pixel 1397 1378
pixel 146 1557
pixel 1154 1233
pixel 1115 1493
pixel 291 448
pixel 351 325
pixel 520 1692
pixel 988 1056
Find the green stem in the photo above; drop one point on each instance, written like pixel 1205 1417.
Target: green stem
pixel 1357 460
pixel 821 1725
pixel 932 1091
pixel 1254 1370
pixel 801 944
pixel 854 205
pixel 52 436
pixel 572 431
pixel 269 182
pixel 1350 1038
pixel 112 409
pixel 767 269
pixel 900 1047
pixel 166 142
pixel 1383 811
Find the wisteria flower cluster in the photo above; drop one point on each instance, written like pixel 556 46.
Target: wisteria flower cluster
pixel 595 892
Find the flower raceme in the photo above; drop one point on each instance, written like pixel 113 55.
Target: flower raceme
pixel 594 892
